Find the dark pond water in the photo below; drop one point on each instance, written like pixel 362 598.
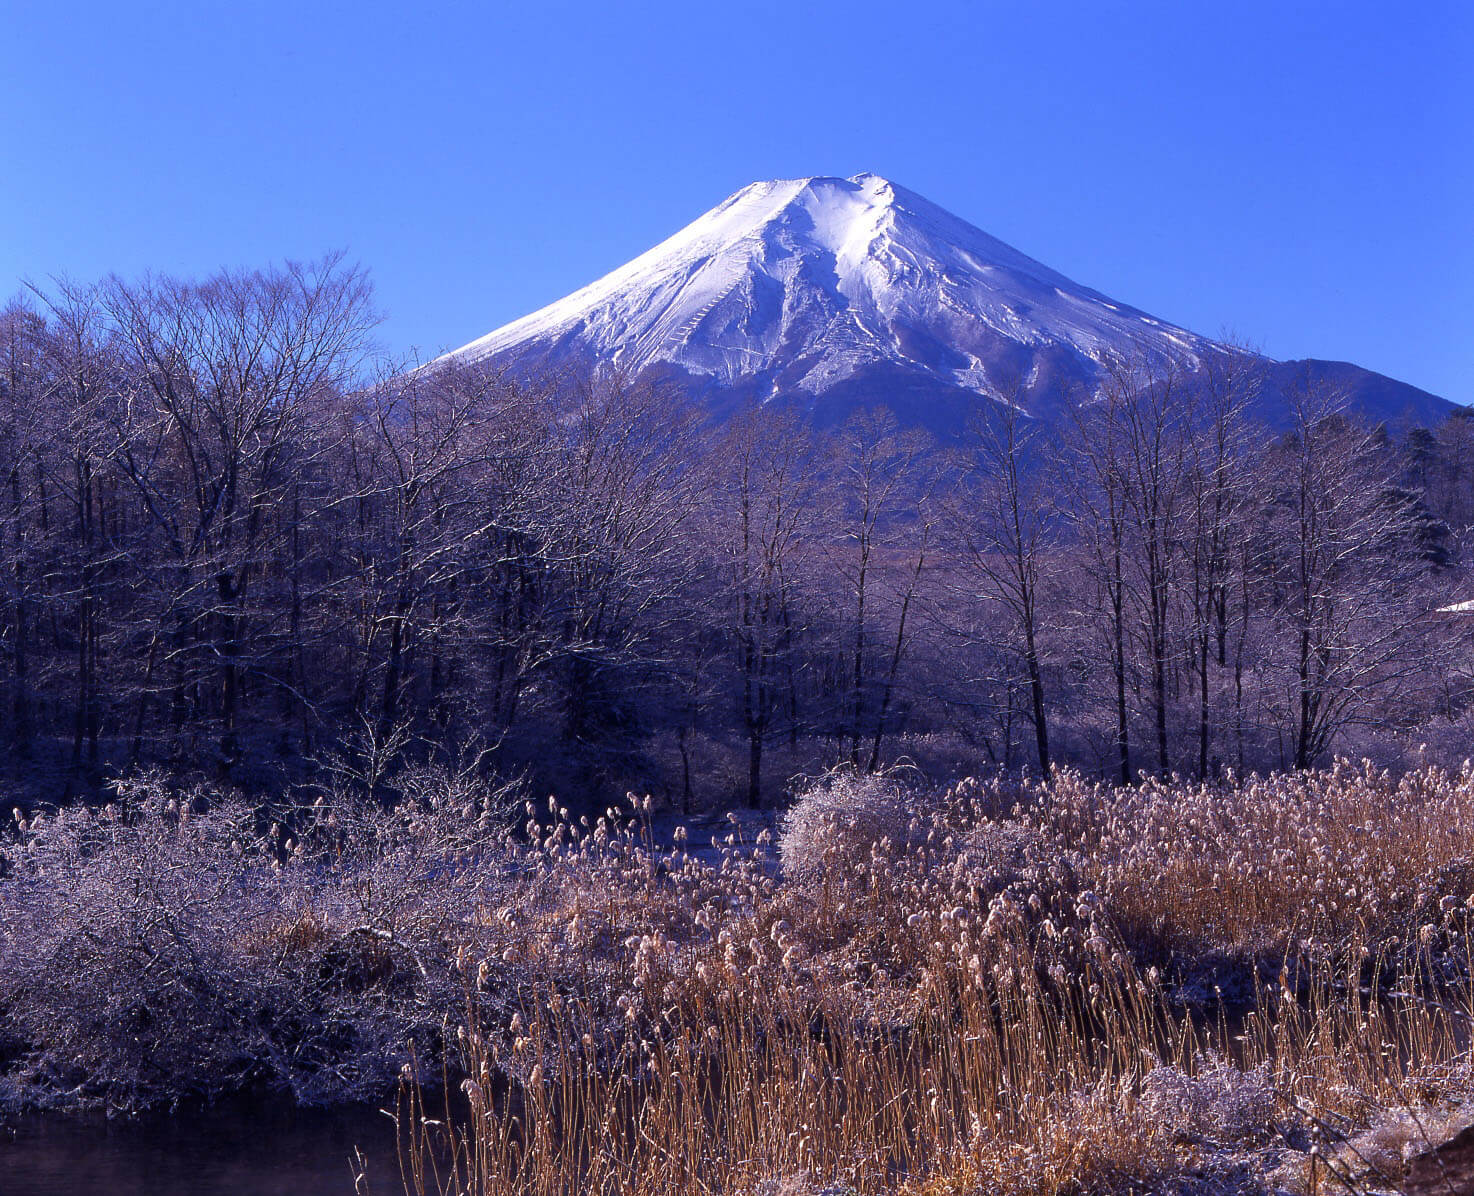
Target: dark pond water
pixel 241 1150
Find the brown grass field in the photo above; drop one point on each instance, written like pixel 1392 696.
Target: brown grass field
pixel 1030 989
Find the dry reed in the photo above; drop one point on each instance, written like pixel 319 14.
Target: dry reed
pixel 981 992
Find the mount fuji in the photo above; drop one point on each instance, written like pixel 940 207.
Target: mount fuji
pixel 833 293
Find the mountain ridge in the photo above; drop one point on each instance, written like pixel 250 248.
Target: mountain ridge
pixel 805 288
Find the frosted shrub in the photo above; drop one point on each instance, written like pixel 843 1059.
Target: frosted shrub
pixel 841 819
pixel 178 944
pixel 121 950
pixel 1220 1102
pixel 800 1185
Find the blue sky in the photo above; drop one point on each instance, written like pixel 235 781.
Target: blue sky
pixel 1299 174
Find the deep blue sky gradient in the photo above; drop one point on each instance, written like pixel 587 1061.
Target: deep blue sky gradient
pixel 1301 175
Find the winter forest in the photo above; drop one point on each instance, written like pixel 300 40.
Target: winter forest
pixel 238 544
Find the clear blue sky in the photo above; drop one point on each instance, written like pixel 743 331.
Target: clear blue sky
pixel 1299 174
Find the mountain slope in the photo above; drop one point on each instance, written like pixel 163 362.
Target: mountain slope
pixel 838 292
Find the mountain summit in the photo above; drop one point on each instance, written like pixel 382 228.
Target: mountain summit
pixel 835 292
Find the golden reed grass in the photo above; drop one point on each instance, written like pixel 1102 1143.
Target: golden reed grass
pixel 995 991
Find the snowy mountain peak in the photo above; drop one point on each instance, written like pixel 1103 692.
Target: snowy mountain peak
pixel 834 292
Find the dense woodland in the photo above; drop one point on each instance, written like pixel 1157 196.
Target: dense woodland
pixel 236 543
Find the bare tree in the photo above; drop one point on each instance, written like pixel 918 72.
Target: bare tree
pixel 84 377
pixel 1004 525
pixel 223 375
pixel 26 388
pixel 1095 473
pixel 878 486
pixel 907 593
pixel 1221 503
pixel 1342 567
pixel 416 447
pixel 764 502
pixel 621 492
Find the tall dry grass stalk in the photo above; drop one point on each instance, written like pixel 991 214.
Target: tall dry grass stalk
pixel 996 991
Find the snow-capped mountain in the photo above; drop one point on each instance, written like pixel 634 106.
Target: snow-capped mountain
pixel 831 292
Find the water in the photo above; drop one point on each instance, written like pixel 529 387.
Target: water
pixel 242 1150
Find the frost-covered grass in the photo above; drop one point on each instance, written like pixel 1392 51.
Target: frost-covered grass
pixel 1001 989
pixel 1287 863
pixel 1006 987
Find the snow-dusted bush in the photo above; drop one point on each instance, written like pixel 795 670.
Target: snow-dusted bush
pixel 122 935
pixel 841 819
pixel 1219 1102
pixel 180 944
pixel 800 1185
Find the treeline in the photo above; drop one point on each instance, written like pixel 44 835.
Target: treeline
pixel 235 544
